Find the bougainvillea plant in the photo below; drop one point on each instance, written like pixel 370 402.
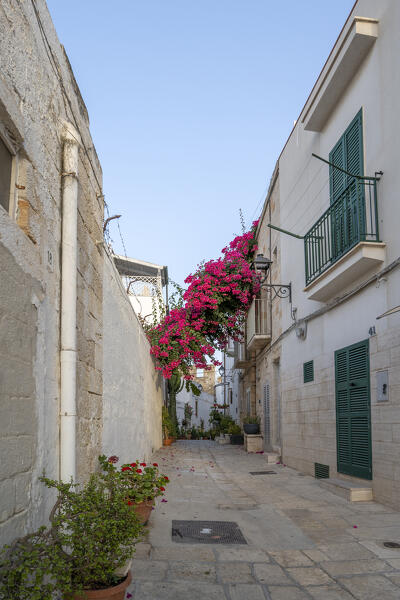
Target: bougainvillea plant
pixel 213 310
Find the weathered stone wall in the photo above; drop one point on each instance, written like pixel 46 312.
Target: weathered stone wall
pixel 132 388
pixel 37 92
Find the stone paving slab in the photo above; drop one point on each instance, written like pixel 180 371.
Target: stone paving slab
pixel 239 572
pixel 179 591
pixel 332 592
pixel 309 575
pixel 303 543
pixel 271 574
pixel 194 571
pixel 246 592
pixel 287 593
pixel 371 587
pixel 354 567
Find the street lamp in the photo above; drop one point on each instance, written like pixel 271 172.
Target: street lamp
pixel 261 263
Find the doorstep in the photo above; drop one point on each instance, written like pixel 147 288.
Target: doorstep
pixel 272 458
pixel 352 491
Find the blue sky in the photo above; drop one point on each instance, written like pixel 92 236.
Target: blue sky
pixel 190 103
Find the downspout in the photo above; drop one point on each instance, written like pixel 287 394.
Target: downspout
pixel 68 354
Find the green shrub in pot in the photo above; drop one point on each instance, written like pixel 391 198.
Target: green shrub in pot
pixel 92 534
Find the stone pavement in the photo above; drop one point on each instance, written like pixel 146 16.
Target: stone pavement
pixel 303 542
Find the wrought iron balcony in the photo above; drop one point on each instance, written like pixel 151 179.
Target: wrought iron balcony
pixel 258 329
pixel 351 219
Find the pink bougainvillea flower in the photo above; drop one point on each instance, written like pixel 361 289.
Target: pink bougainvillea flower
pixel 355 526
pixel 164 500
pixel 128 595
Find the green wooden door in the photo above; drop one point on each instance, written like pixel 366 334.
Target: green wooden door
pixel 353 411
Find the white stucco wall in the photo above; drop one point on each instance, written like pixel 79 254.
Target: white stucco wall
pixel 309 418
pixel 132 388
pixel 204 404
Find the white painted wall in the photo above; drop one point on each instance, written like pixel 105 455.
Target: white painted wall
pixel 304 185
pixel 309 420
pixel 204 404
pixel 132 388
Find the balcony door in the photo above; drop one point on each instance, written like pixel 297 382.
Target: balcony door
pixel 346 191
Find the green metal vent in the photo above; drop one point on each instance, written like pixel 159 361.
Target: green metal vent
pixel 308 371
pixel 321 471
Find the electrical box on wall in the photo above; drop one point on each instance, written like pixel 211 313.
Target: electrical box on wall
pixel 382 385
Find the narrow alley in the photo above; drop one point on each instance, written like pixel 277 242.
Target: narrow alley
pixel 302 541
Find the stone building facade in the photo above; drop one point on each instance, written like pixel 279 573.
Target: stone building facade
pixel 336 356
pixel 43 116
pixel 258 375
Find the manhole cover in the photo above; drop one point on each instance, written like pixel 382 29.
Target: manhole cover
pixel 207 532
pixel 262 472
pixel 391 544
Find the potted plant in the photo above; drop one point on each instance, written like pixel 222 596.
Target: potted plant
pixel 251 424
pixel 83 554
pixel 235 433
pixel 143 483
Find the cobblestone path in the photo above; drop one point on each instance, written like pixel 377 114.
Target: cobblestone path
pixel 303 542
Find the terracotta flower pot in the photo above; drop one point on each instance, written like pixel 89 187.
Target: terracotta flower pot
pixel 117 592
pixel 143 510
pixel 167 442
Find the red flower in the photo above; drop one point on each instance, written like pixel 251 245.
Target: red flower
pixel 133 464
pixel 126 469
pixel 113 459
pixel 155 464
pixel 139 471
pixel 162 489
pixel 166 478
pixel 130 503
pixel 142 464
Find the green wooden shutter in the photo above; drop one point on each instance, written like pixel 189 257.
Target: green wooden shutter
pixel 347 154
pixel 353 143
pixel 337 178
pixel 353 411
pixel 308 371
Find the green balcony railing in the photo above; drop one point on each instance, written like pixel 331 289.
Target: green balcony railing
pixel 351 219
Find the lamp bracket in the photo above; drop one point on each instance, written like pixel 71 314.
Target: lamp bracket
pixel 281 290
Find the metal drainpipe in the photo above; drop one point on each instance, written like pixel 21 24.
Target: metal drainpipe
pixel 68 353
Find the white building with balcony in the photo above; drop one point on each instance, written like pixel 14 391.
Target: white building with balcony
pixel 326 381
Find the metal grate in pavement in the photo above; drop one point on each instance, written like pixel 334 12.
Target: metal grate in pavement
pixel 263 473
pixel 207 532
